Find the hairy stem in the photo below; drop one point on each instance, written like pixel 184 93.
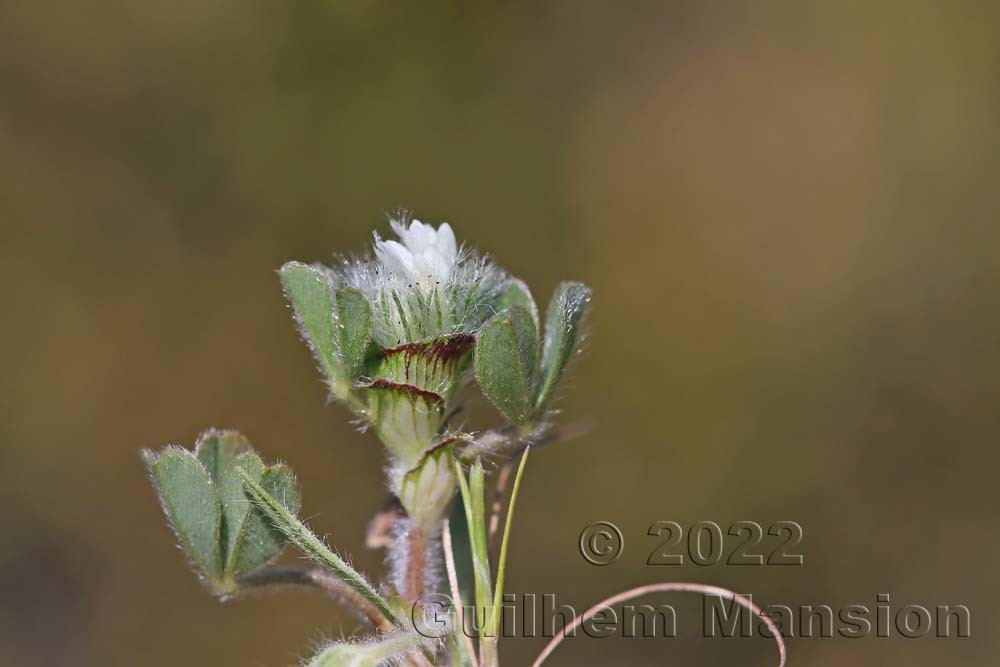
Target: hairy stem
pixel 414 542
pixel 316 579
pixel 312 546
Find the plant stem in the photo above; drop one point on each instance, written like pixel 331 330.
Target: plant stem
pixel 502 560
pixel 414 547
pixel 463 643
pixel 477 538
pixel 317 579
pixel 488 654
pixel 702 589
pixel 312 546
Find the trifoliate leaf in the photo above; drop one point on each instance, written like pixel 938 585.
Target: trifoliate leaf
pixel 190 501
pixel 224 534
pixel 337 324
pixel 563 325
pixel 506 360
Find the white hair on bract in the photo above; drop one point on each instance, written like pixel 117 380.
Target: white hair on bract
pixel 424 285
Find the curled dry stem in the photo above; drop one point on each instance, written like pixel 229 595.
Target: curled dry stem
pixel 702 589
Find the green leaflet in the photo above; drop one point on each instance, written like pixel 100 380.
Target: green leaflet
pixel 563 325
pixel 506 359
pixel 309 290
pixel 259 541
pixel 353 335
pixel 190 501
pixel 218 451
pixel 516 293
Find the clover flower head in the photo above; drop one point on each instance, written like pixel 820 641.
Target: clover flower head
pixel 424 285
pixel 426 257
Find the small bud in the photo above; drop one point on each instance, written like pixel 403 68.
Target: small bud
pixel 409 390
pixel 345 655
pixel 406 418
pixel 426 490
pixel 370 653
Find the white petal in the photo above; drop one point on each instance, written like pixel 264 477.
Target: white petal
pixel 446 243
pixel 423 255
pixel 432 266
pixel 418 237
pixel 395 258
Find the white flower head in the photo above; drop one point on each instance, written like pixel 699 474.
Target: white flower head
pixel 424 285
pixel 426 257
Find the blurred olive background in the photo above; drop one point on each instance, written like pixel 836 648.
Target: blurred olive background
pixel 788 213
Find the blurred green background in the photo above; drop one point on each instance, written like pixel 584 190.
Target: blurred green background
pixel 788 213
